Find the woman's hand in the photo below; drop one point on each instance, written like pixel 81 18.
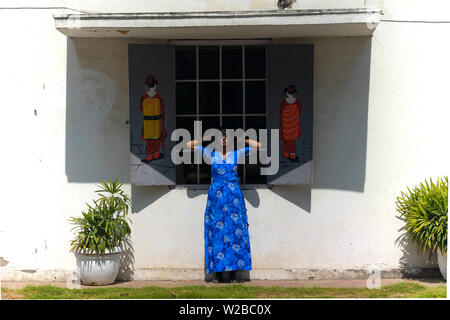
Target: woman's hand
pixel 191 144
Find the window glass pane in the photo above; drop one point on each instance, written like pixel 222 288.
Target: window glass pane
pixel 232 97
pixel 205 173
pixel 232 62
pixel 210 122
pixel 255 62
pixel 208 59
pixel 187 173
pixel 209 97
pixel 255 97
pixel 186 98
pixel 253 174
pixel 185 63
pixel 255 122
pixel 233 122
pixel 186 123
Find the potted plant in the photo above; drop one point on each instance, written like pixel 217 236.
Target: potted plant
pixel 425 212
pixel 100 232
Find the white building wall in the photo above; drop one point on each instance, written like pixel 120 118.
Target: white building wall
pixel 374 134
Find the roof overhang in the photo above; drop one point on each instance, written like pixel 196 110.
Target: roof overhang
pixel 222 25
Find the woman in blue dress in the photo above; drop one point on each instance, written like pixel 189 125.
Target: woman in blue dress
pixel 227 245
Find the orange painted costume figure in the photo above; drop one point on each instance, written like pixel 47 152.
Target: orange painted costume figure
pixel 289 115
pixel 154 125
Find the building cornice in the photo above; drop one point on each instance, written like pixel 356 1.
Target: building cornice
pixel 321 22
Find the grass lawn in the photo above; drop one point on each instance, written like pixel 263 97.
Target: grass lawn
pixel 400 290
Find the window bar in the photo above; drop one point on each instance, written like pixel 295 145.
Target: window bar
pixel 220 84
pixel 243 104
pixel 218 79
pixel 197 100
pixel 267 107
pixel 217 115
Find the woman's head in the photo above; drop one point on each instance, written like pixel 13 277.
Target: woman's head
pixel 224 140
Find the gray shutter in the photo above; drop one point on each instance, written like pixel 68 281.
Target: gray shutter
pixel 292 64
pixel 156 60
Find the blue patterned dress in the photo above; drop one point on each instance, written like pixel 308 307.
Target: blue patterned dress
pixel 227 245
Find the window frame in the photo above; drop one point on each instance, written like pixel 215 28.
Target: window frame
pixel 220 80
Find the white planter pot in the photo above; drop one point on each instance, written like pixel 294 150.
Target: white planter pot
pixel 99 270
pixel 442 262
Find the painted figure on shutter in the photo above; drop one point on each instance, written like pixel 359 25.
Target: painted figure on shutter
pixel 154 124
pixel 289 115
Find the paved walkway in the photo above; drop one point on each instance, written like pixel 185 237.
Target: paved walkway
pixel 357 283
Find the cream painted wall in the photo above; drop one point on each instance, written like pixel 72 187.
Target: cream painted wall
pixel 121 6
pixel 374 134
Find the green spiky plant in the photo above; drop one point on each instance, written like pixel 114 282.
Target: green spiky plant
pixel 424 209
pixel 104 225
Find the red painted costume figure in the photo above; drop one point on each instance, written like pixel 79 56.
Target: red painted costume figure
pixel 154 126
pixel 289 114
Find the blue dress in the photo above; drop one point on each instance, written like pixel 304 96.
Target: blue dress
pixel 227 245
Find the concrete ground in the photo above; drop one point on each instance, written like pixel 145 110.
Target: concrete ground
pixel 354 283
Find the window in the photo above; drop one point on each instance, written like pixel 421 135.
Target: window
pixel 221 85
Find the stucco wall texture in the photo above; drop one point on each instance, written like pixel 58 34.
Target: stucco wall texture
pixel 380 125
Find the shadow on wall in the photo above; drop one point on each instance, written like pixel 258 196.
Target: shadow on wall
pixel 250 194
pixel 142 197
pixel 415 263
pixel 298 195
pixel 97 144
pixel 126 271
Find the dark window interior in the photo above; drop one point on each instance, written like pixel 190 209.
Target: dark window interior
pixel 232 62
pixel 221 86
pixel 185 61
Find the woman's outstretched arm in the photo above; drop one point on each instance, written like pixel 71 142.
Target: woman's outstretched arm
pixel 253 143
pixel 193 143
